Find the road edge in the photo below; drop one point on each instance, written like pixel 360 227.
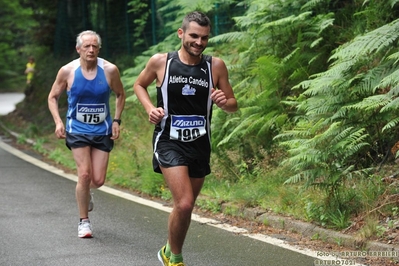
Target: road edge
pixel 286 223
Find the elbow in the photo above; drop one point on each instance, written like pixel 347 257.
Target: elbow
pixel 231 106
pixel 122 95
pixel 137 88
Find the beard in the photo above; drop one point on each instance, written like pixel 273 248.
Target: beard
pixel 191 50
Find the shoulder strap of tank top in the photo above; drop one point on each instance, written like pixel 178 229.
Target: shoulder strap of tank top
pixel 207 58
pixel 100 62
pixel 173 55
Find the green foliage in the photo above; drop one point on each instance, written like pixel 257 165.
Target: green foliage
pixel 138 9
pixel 324 156
pixel 59 156
pixel 38 146
pixel 316 83
pixel 334 115
pixel 393 2
pixel 328 218
pixel 152 183
pixel 16 21
pixel 209 205
pixel 278 46
pixel 325 120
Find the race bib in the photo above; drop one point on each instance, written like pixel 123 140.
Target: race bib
pixel 187 128
pixel 91 113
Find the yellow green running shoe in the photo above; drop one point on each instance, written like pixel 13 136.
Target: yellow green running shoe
pixel 176 264
pixel 162 257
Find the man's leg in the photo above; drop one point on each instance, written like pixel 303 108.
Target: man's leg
pixel 184 192
pixel 99 162
pixel 84 167
pixel 92 168
pixel 82 191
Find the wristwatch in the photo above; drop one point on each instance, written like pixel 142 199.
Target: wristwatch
pixel 117 121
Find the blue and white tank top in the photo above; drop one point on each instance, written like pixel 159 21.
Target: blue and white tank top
pixel 88 103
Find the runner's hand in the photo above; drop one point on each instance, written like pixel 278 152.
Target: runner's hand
pixel 60 131
pixel 218 97
pixel 155 116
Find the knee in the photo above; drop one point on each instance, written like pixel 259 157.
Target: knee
pixel 84 178
pixel 185 206
pixel 97 183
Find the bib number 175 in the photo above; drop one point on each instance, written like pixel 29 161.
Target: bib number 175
pixel 91 113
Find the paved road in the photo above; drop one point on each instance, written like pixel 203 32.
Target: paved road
pixel 8 101
pixel 38 223
pixel 38 226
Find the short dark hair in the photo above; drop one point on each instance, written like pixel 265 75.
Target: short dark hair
pixel 198 17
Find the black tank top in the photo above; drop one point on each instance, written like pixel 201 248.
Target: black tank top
pixel 185 97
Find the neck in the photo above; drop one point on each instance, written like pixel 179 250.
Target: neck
pixel 188 59
pixel 88 65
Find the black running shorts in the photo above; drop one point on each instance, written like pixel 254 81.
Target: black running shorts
pixel 104 143
pixel 170 155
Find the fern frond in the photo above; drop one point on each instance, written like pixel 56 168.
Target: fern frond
pixel 393 2
pixel 391 124
pixel 290 20
pixel 367 83
pixel 230 37
pixel 390 80
pixel 395 57
pixel 371 103
pixel 303 130
pixel 391 105
pixel 372 42
pixel 238 131
pixel 313 3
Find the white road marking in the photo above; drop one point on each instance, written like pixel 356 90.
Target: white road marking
pixel 159 206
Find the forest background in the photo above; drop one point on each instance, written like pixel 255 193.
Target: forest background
pixel 316 135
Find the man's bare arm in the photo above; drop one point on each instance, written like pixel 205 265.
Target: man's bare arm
pixel 59 86
pixel 153 71
pixel 223 97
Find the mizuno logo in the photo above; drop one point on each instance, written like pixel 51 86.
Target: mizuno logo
pixel 85 109
pixel 184 123
pixel 204 70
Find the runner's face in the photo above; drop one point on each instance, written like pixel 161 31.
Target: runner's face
pixel 194 39
pixel 90 48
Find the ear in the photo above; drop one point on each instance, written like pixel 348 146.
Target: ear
pixel 180 33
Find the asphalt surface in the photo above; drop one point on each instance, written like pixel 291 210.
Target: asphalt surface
pixel 8 101
pixel 38 226
pixel 39 218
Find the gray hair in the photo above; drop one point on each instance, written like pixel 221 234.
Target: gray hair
pixel 87 32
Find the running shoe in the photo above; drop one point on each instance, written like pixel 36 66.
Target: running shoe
pixel 84 229
pixel 162 257
pixel 176 264
pixel 91 202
